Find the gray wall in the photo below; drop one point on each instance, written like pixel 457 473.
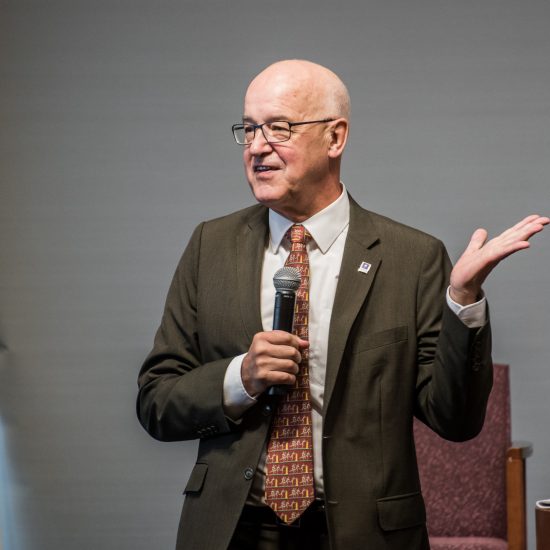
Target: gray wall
pixel 115 143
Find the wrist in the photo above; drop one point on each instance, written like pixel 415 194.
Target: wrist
pixel 464 297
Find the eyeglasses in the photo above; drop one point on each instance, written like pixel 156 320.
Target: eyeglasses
pixel 273 132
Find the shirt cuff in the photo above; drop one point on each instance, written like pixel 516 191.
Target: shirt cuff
pixel 473 315
pixel 236 400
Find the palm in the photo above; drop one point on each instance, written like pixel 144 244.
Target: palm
pixel 481 256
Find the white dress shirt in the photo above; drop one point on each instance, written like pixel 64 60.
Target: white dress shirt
pixel 328 229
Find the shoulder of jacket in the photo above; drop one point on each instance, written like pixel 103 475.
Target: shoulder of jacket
pixel 388 228
pixel 250 215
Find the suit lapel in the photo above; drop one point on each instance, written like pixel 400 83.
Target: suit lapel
pixel 251 242
pixel 352 290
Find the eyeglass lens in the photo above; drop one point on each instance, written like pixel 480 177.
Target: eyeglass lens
pixel 273 131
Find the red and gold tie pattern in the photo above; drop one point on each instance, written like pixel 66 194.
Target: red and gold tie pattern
pixel 289 486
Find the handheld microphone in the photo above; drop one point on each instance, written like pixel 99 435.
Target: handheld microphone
pixel 286 281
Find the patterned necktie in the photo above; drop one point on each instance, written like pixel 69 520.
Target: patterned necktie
pixel 289 487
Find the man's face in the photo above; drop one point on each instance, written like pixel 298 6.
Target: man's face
pixel 286 176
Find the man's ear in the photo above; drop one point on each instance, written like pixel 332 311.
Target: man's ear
pixel 339 130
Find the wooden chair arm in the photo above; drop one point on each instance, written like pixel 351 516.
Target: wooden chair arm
pixel 515 494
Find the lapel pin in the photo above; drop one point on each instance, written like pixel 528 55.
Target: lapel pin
pixel 364 267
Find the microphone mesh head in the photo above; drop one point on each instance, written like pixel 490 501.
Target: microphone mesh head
pixel 287 278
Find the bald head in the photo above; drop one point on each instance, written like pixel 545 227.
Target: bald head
pixel 308 106
pixel 318 87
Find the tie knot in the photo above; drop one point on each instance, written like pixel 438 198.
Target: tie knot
pixel 298 234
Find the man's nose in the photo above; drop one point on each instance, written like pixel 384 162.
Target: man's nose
pixel 259 144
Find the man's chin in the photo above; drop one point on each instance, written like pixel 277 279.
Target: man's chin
pixel 267 193
pixel 268 200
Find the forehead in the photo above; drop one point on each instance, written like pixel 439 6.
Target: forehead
pixel 277 98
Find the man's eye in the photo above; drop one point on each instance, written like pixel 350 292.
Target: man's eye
pixel 248 129
pixel 275 127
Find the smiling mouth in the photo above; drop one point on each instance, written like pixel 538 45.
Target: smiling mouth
pixel 263 168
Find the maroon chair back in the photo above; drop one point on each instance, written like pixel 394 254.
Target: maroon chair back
pixel 464 484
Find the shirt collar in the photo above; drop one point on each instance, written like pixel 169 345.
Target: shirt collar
pixel 324 227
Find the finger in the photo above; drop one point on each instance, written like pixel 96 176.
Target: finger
pixel 478 239
pixel 284 352
pixel 532 219
pixel 282 365
pixel 262 377
pixel 544 220
pixel 535 227
pixel 303 343
pixel 525 221
pixel 526 228
pixel 281 337
pixel 278 378
pixel 540 222
pixel 512 248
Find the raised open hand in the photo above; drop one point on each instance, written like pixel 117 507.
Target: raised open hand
pixel 481 256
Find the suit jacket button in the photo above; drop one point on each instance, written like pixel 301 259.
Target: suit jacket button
pixel 249 473
pixel 266 410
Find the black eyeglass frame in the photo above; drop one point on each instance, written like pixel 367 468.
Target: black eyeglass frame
pixel 260 126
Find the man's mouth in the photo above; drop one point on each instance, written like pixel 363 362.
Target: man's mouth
pixel 263 168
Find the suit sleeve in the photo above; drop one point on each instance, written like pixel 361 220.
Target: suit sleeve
pixel 179 396
pixel 454 361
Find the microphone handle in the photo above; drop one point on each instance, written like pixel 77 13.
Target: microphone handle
pixel 283 319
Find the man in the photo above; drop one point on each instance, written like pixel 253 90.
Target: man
pixel 392 333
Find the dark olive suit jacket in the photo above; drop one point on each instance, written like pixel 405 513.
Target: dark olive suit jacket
pixel 395 350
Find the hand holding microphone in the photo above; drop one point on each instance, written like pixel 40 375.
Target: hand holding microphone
pixel 274 356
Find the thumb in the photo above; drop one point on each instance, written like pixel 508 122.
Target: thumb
pixel 479 237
